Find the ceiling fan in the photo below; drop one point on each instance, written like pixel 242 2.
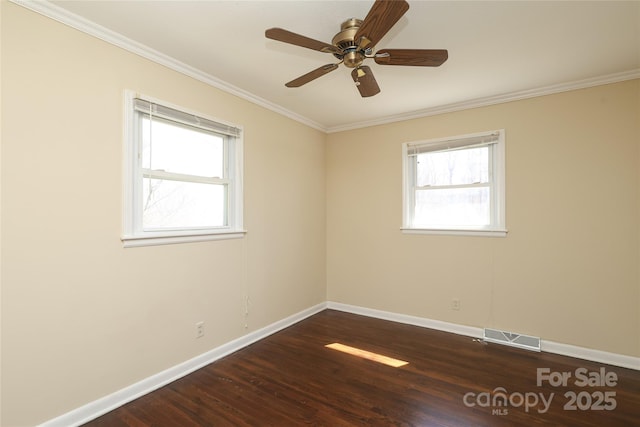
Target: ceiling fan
pixel 354 43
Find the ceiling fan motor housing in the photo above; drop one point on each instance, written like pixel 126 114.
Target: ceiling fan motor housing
pixel 344 41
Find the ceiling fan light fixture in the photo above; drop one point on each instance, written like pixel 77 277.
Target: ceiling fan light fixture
pixel 355 42
pixel 353 59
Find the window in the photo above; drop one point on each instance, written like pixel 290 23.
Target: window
pixel 455 185
pixel 183 178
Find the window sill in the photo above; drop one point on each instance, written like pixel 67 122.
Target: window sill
pixel 169 239
pixel 443 232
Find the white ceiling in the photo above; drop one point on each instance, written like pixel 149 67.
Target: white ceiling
pixel 495 49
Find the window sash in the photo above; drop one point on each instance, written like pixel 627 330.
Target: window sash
pixel 168 121
pixel 173 117
pixel 488 184
pixel 494 140
pixel 439 215
pixel 415 169
pixel 201 224
pixel 176 176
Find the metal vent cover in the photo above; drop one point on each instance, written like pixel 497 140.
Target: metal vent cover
pixel 512 339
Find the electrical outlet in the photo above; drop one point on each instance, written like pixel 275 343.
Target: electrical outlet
pixel 455 304
pixel 199 329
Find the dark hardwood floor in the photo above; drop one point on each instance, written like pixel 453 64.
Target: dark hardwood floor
pixel 291 379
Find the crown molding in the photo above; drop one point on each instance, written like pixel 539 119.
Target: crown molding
pixel 497 99
pixel 63 16
pixel 84 25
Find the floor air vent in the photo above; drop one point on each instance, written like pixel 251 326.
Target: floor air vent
pixel 512 339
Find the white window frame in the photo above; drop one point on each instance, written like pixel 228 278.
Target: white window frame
pixel 133 233
pixel 497 227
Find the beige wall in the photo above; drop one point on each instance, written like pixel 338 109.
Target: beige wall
pixel 81 316
pixel 568 269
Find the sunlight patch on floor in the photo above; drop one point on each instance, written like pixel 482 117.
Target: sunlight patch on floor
pixel 389 361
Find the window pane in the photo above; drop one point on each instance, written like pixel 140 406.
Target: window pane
pixel 456 167
pixel 452 207
pixel 175 204
pixel 176 148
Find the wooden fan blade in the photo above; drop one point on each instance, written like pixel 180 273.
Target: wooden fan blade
pixel 416 57
pixel 285 36
pixel 365 82
pixel 312 75
pixel 382 16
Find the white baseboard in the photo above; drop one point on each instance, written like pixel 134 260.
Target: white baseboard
pixel 591 354
pixel 599 356
pixel 469 331
pixel 108 403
